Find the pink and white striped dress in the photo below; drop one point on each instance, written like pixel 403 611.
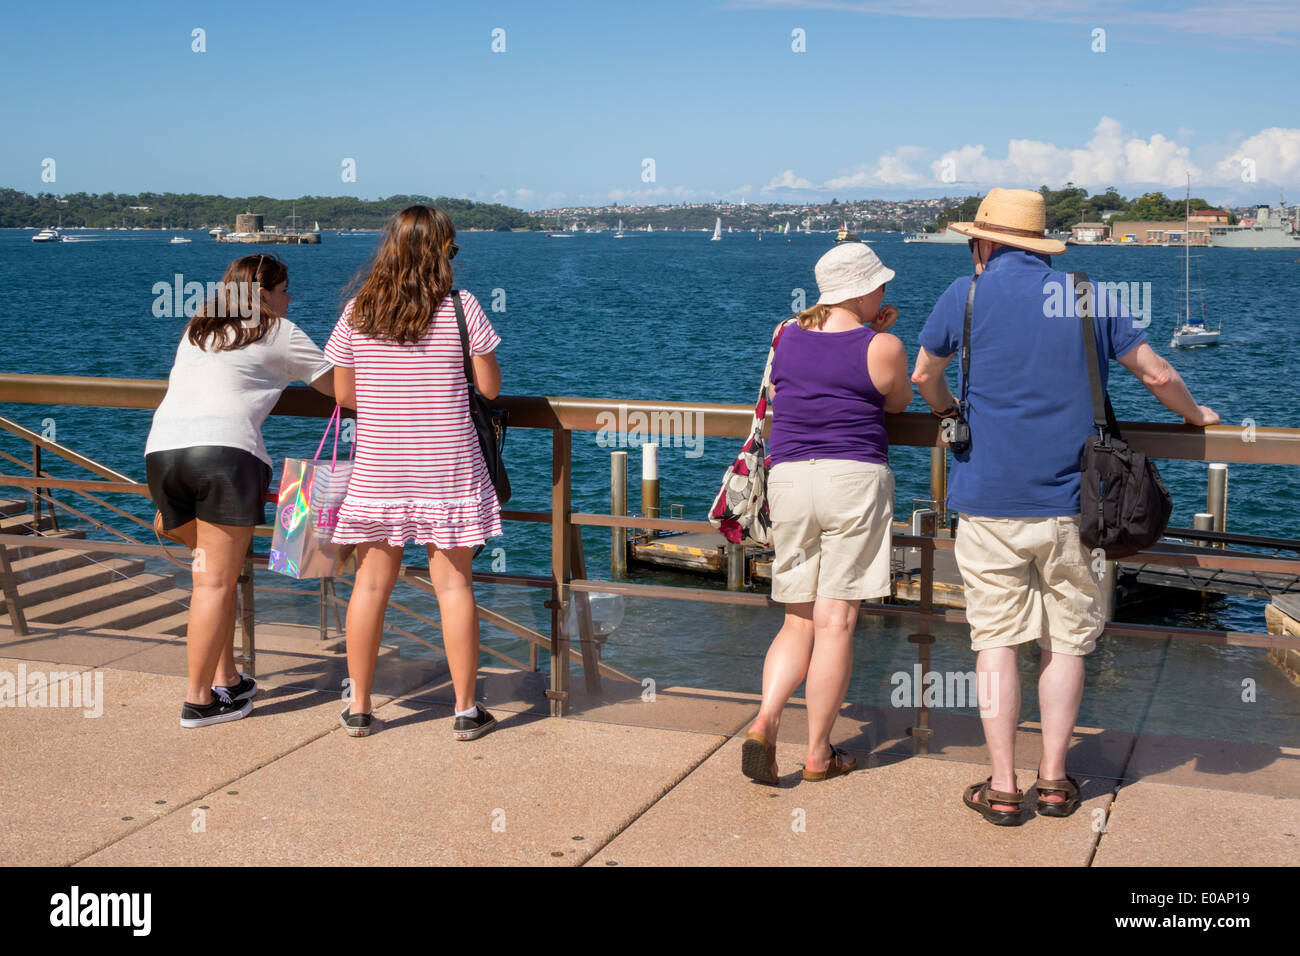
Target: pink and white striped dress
pixel 419 473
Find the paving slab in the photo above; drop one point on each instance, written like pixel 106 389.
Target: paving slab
pixel 17 675
pixel 71 784
pixel 892 811
pixel 1158 824
pixel 69 644
pixel 535 792
pixel 617 702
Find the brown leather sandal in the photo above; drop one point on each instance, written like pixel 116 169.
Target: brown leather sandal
pixel 758 760
pixel 1058 808
pixel 979 797
pixel 840 764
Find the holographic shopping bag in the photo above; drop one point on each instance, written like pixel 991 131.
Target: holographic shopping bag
pixel 311 493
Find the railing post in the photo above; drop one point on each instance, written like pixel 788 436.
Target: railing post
pixel 9 584
pixel 586 629
pixel 561 529
pixel 36 492
pixel 939 481
pixel 249 656
pixel 618 506
pixel 921 731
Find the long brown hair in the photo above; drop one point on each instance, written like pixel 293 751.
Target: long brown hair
pixel 226 321
pixel 398 292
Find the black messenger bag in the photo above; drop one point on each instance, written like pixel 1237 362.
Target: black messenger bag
pixel 489 422
pixel 1124 503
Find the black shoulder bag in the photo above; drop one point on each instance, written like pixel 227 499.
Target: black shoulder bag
pixel 1124 503
pixel 959 436
pixel 489 422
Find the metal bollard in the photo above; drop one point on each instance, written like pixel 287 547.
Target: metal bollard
pixel 735 566
pixel 1216 495
pixel 650 484
pixel 1204 521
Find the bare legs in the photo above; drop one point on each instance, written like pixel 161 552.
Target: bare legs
pixel 451 576
pixel 219 553
pixel 1060 690
pixel 377 567
pixel 450 573
pixel 814 647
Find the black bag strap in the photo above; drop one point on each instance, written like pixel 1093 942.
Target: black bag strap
pixel 965 347
pixel 1103 416
pixel 464 337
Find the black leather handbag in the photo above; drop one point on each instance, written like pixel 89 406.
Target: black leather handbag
pixel 489 422
pixel 1124 504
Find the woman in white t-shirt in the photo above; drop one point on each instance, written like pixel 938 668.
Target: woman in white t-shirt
pixel 208 469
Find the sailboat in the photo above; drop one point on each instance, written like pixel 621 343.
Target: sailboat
pixel 1192 332
pixel 619 234
pixel 717 231
pixel 649 227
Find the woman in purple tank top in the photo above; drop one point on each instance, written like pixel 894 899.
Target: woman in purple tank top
pixel 831 495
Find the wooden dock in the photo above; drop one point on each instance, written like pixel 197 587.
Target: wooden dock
pixel 1136 581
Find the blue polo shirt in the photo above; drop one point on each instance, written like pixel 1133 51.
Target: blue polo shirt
pixel 1030 409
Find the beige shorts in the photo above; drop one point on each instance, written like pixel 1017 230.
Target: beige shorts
pixel 1029 579
pixel 831 525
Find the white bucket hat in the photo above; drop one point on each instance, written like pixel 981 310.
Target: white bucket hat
pixel 849 270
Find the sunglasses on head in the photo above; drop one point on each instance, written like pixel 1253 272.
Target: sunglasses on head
pixel 454 249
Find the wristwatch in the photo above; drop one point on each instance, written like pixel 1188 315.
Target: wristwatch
pixel 948 412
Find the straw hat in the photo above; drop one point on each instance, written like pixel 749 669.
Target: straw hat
pixel 1013 217
pixel 849 270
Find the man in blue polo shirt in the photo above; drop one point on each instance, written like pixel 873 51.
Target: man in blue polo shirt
pixel 1026 574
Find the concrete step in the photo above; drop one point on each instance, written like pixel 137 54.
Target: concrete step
pixel 74 607
pixel 25 523
pixel 21 551
pixel 174 625
pixel 134 615
pixel 78 578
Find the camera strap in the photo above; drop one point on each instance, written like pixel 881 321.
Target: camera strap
pixel 965 348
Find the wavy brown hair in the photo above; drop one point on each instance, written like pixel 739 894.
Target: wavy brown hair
pixel 397 293
pixel 226 321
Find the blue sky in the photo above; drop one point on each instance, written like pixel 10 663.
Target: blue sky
pixel 900 98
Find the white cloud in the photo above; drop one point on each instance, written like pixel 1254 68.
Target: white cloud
pixel 788 180
pixel 1266 21
pixel 1110 158
pixel 1273 154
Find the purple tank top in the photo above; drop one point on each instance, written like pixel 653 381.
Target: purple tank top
pixel 826 405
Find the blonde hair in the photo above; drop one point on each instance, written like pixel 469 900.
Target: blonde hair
pixel 814 317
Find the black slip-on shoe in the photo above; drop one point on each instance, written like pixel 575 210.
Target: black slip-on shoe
pixel 244 690
pixel 222 709
pixel 357 725
pixel 471 728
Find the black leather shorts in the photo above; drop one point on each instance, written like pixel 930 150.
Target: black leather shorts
pixel 213 483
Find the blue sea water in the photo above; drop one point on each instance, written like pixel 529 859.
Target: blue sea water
pixel 672 316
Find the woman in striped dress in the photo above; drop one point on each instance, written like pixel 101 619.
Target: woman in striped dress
pixel 419 475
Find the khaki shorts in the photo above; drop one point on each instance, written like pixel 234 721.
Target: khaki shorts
pixel 1029 579
pixel 831 525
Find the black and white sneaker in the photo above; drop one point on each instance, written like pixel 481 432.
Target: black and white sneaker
pixel 357 725
pixel 244 690
pixel 223 708
pixel 471 728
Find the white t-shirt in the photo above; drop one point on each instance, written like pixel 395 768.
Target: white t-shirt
pixel 222 398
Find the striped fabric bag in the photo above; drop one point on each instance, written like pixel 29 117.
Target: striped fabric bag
pixel 740 509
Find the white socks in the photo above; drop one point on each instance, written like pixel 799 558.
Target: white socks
pixel 472 712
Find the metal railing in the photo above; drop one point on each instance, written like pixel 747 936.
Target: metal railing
pixel 568 581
